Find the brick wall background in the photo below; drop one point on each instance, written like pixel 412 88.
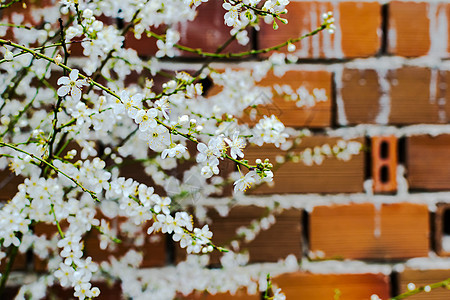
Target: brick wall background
pixel 373 224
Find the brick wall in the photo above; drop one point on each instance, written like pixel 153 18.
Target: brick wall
pixel 385 74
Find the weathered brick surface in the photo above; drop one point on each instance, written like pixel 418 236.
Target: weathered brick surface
pixel 330 286
pixel 421 278
pixel 425 162
pixel 410 97
pixel 287 111
pixel 407 37
pixel 361 231
pixel 332 176
pixel 414 95
pixel 358 24
pixel 360 94
pixel 285 233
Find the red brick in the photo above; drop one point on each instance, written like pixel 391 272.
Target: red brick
pixel 8 184
pixel 208 31
pixel 154 253
pixel 47 230
pixel 361 231
pixel 360 94
pixel 145 46
pixel 442 228
pixel 287 110
pixel 20 261
pixel 421 278
pixel 410 97
pixel 239 295
pixel 408 90
pixel 425 162
pixel 332 176
pixel 326 286
pixel 107 291
pixel 358 23
pixel 384 163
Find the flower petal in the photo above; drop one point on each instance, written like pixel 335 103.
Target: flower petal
pixel 76 94
pixel 62 91
pixel 74 75
pixel 63 80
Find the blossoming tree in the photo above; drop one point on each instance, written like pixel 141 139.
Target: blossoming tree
pixel 69 125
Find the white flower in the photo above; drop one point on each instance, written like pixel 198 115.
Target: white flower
pixel 157 138
pixel 64 274
pixel 245 182
pixel 232 16
pixel 212 151
pixel 146 119
pixel 211 168
pixel 161 204
pixel 279 295
pixel 71 84
pixel 236 144
pixel 164 105
pixel 175 151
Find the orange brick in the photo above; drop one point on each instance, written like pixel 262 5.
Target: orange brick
pixel 285 233
pixel 425 162
pixel 384 163
pixel 409 25
pixel 392 232
pixel 421 278
pixel 328 286
pixel 287 111
pixel 332 176
pixel 358 25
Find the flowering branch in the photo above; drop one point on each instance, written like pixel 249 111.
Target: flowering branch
pixel 444 283
pixel 93 195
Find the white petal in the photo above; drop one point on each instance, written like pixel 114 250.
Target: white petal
pixel 201 147
pixel 63 80
pixel 76 94
pixel 62 91
pixel 74 75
